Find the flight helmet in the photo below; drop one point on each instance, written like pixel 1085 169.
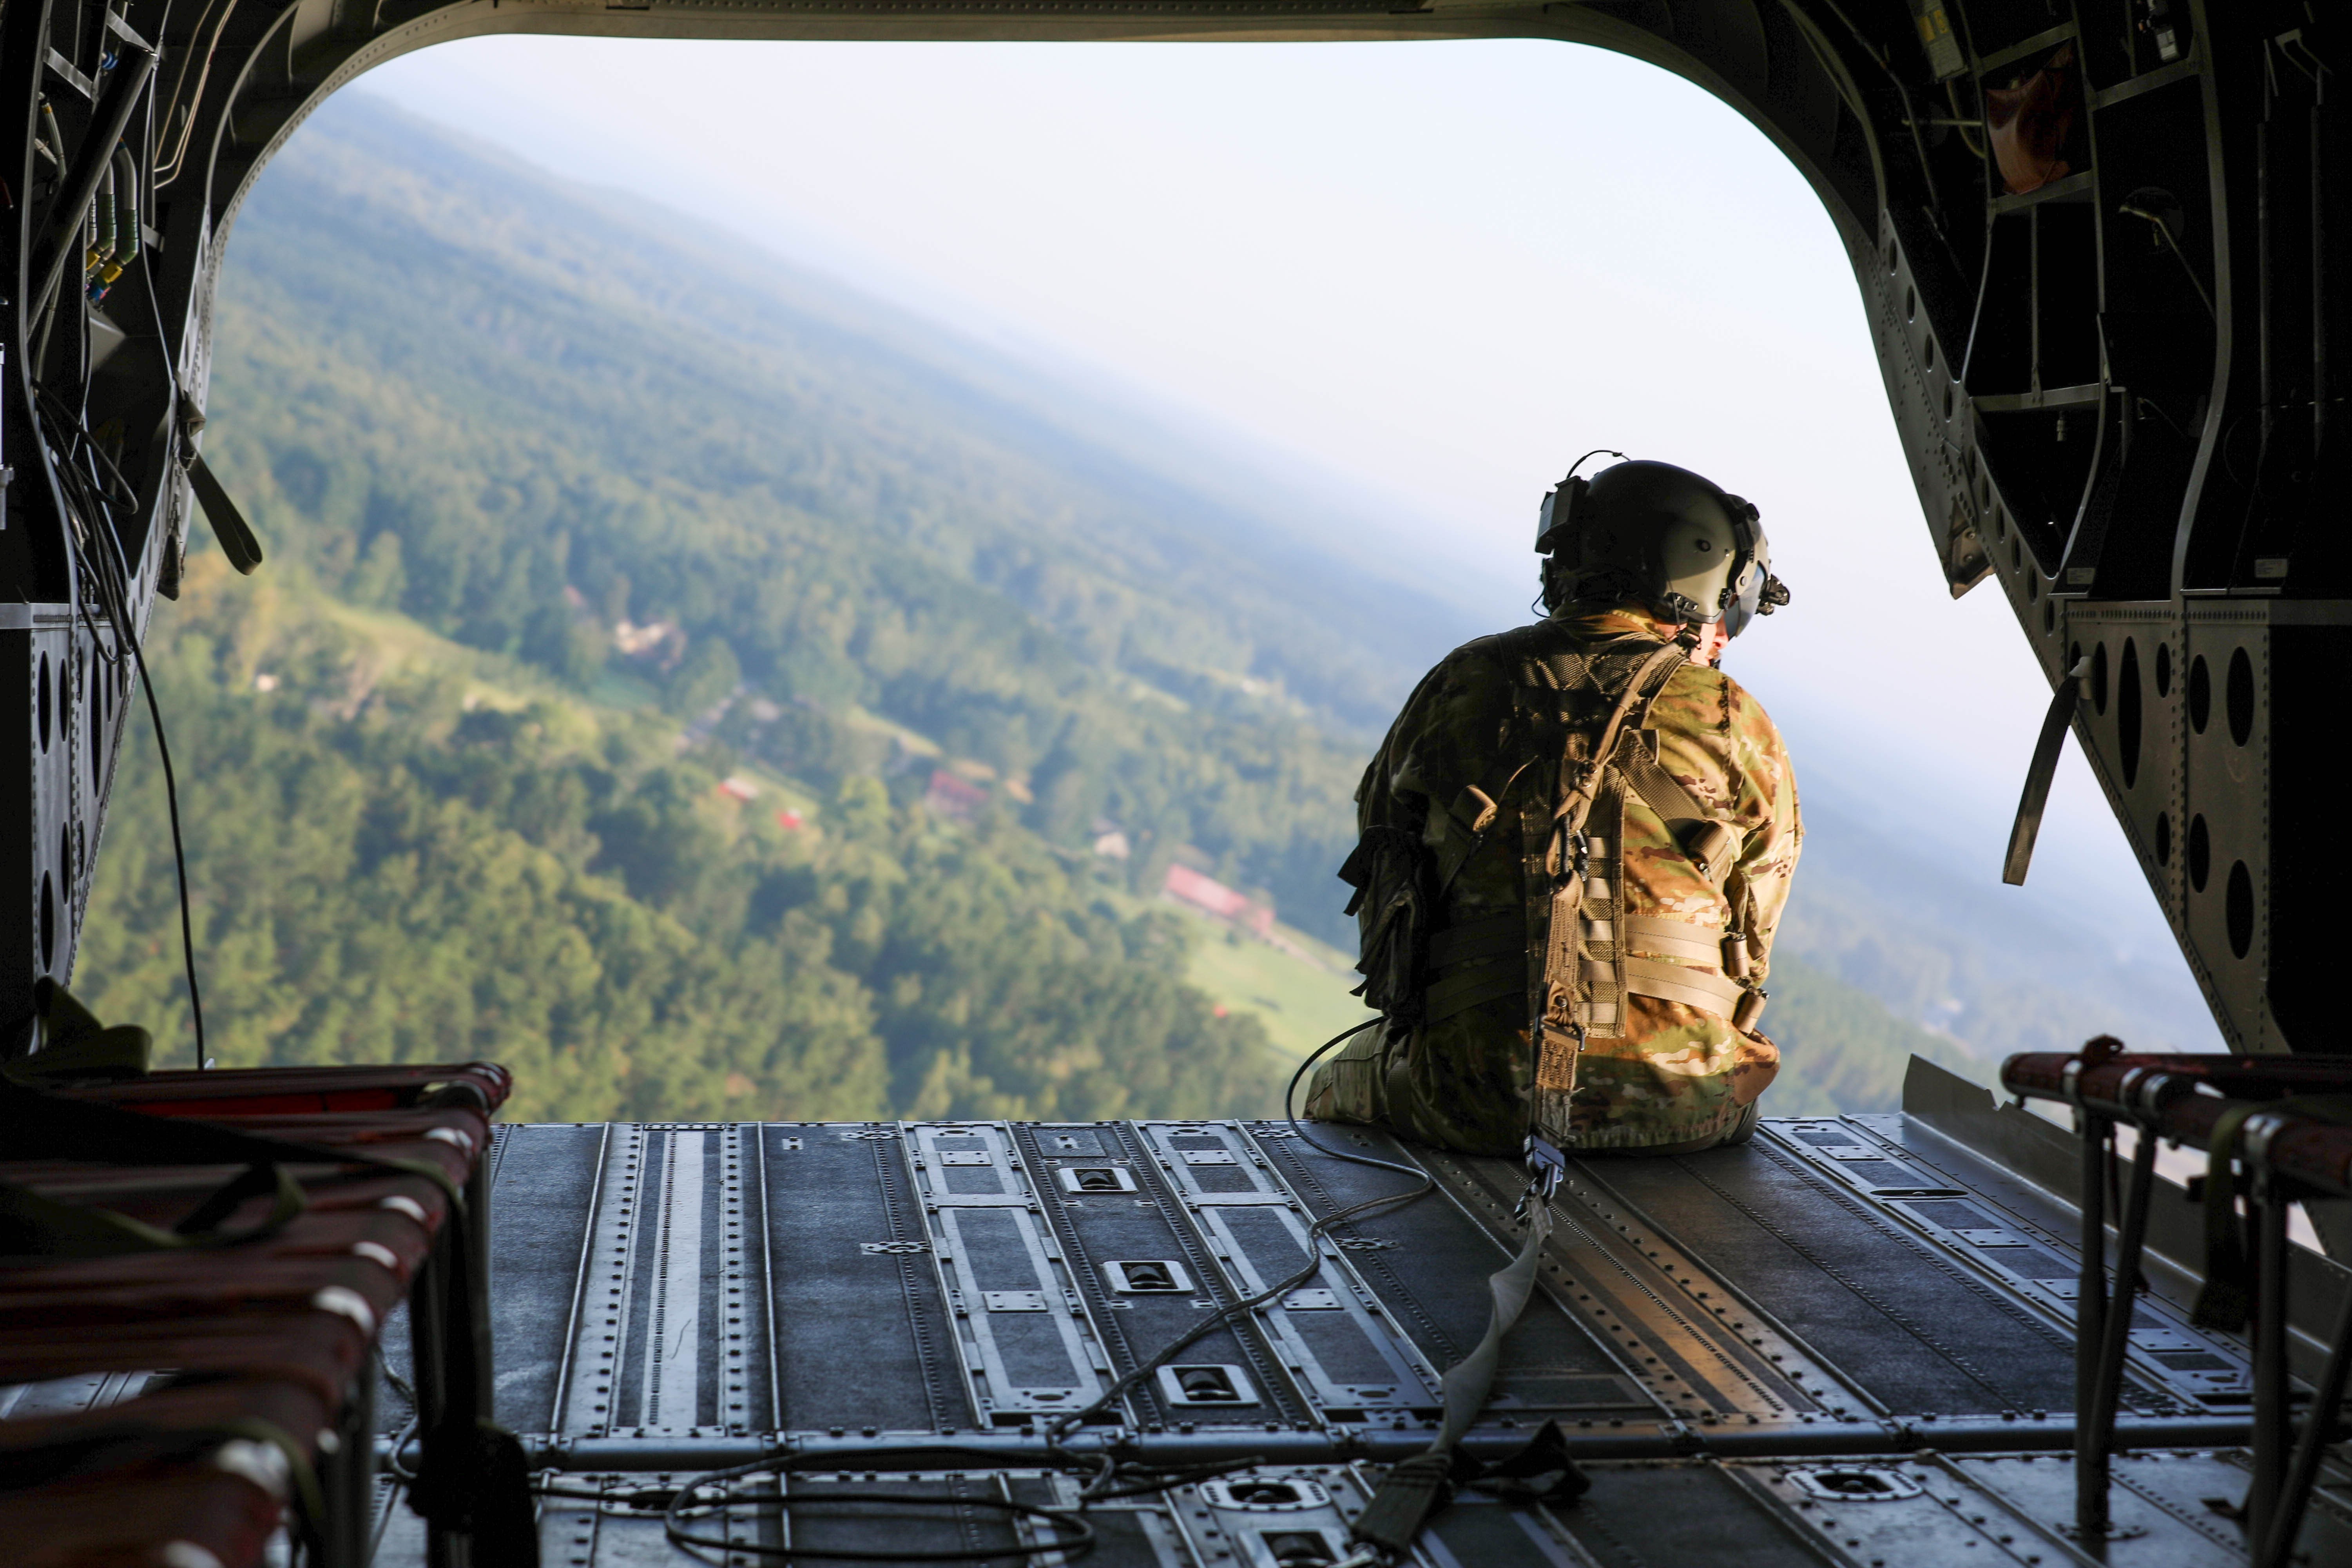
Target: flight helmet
pixel 1692 551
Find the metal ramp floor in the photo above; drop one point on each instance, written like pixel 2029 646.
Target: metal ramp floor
pixel 1848 1342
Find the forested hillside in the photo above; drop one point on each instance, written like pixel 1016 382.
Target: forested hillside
pixel 456 392
pixel 406 853
pixel 568 524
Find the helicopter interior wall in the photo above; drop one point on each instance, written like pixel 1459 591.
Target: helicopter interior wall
pixel 2174 472
pixel 1819 1288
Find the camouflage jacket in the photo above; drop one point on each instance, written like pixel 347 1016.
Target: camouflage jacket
pixel 1492 724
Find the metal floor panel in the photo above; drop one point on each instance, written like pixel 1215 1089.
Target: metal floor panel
pixel 543 1188
pixel 1730 1339
pixel 860 1325
pixel 2000 1511
pixel 2170 1509
pixel 1926 1297
pixel 1111 1203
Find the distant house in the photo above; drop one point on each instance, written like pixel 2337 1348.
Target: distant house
pixel 662 642
pixel 739 788
pixel 956 799
pixel 1209 896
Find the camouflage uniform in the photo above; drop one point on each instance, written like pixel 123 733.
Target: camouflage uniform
pixel 1491 724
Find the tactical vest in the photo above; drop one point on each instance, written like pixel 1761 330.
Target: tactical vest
pixel 1575 751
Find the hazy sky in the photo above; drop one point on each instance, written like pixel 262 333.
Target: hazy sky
pixel 1440 271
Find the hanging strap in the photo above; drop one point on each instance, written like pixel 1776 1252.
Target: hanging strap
pixel 2227 1296
pixel 1418 1487
pixel 476 1481
pixel 1470 1380
pixel 2035 797
pixel 236 535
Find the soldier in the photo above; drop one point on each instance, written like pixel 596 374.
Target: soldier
pixel 1576 843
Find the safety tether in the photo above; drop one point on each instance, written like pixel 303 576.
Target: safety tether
pixel 1418 1487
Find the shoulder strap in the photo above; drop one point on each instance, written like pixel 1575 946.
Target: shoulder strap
pixel 1580 778
pixel 1711 844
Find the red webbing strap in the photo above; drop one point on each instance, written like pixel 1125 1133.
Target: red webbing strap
pixel 35 1125
pixel 389 1239
pixel 34 1224
pixel 184 1288
pixel 161 1194
pixel 243 1091
pixel 474 1479
pixel 126 1515
pixel 179 1404
pixel 318 1352
pixel 129 1441
pixel 2041 1075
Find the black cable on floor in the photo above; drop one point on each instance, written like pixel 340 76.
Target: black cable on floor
pixel 1423 1185
pixel 1078 1537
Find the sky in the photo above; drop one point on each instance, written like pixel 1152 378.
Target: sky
pixel 1419 278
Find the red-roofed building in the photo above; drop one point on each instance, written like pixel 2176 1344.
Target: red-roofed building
pixel 1207 894
pixel 958 800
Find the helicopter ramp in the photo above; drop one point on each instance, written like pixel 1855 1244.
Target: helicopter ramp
pixel 1850 1341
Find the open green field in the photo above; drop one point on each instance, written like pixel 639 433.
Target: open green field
pixel 1301 1004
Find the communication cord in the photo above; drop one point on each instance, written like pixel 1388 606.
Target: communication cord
pixel 1423 1185
pixel 110 574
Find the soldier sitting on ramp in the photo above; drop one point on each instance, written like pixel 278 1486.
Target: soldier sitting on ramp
pixel 1576 843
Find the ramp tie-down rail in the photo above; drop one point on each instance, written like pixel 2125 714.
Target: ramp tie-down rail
pixel 251 1231
pixel 2276 1131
